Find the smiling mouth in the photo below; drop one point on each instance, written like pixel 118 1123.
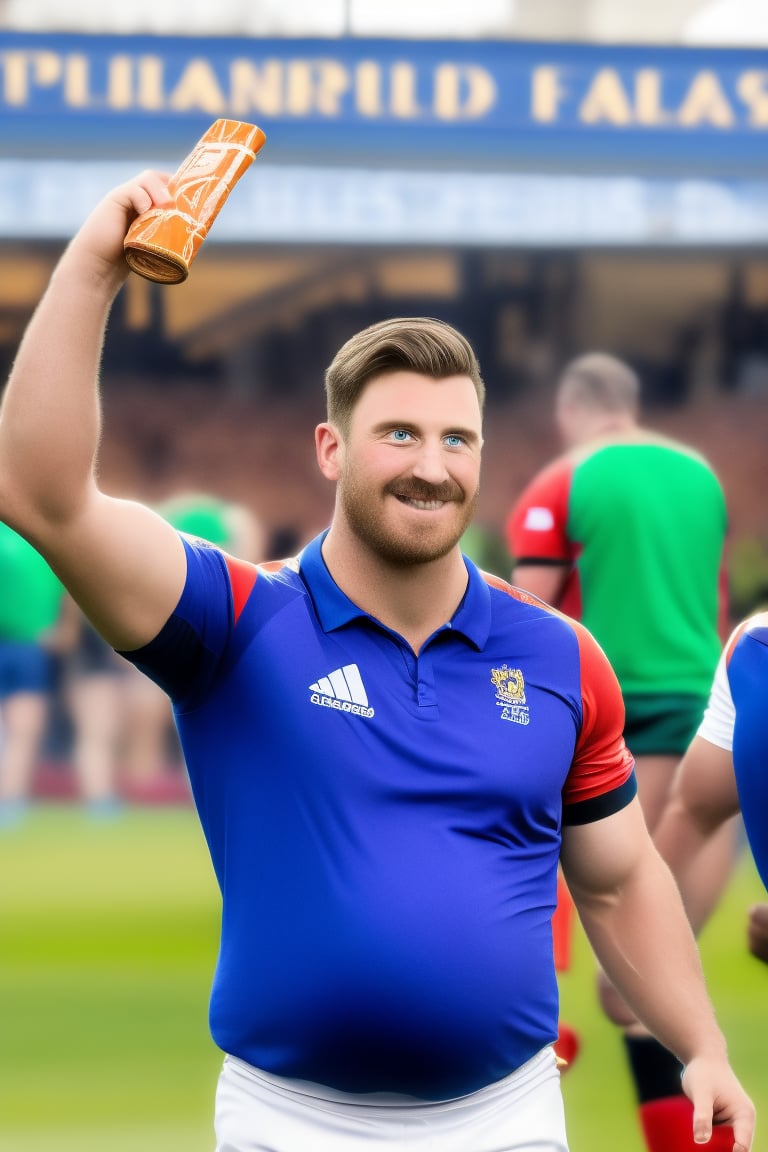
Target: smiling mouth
pixel 422 505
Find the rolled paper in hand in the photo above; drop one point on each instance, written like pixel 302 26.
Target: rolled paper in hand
pixel 162 242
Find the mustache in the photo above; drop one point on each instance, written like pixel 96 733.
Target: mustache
pixel 418 490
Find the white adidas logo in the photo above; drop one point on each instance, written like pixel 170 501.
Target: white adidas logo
pixel 342 690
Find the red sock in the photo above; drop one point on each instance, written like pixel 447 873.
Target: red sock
pixel 668 1127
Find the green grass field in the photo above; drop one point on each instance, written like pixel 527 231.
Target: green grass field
pixel 598 1092
pixel 107 944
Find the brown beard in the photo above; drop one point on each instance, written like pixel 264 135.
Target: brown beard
pixel 417 547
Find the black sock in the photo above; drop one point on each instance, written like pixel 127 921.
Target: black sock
pixel 655 1071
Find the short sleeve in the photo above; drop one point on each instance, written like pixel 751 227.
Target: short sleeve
pixel 537 526
pixel 719 718
pixel 183 656
pixel 720 715
pixel 602 778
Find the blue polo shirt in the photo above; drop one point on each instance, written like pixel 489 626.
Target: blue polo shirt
pixel 747 665
pixel 385 827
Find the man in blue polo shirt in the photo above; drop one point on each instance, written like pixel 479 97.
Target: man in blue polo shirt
pixel 389 752
pixel 724 771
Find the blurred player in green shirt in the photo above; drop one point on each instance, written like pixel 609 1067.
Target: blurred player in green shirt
pixel 626 532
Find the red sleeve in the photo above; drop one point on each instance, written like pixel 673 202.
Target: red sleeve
pixel 537 526
pixel 602 779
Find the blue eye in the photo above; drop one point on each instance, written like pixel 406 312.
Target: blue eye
pixel 454 441
pixel 401 435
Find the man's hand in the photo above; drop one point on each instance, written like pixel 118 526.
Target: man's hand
pixel 718 1097
pixel 757 931
pixel 100 239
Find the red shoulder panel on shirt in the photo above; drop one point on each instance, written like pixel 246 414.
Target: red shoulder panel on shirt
pixel 242 577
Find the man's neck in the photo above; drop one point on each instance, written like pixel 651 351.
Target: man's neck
pixel 606 430
pixel 413 600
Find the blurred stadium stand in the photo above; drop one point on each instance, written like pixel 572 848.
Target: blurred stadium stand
pixel 646 238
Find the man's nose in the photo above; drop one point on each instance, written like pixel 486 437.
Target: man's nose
pixel 429 464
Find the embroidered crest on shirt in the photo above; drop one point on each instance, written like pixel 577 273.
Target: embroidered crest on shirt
pixel 343 691
pixel 510 694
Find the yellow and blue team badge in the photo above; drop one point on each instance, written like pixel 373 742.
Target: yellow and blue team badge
pixel 510 694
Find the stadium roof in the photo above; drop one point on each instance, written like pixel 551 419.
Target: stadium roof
pixel 742 23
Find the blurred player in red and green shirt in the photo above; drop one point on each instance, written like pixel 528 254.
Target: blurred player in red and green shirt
pixel 626 532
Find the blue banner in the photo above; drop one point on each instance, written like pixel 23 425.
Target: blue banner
pixel 300 204
pixel 493 104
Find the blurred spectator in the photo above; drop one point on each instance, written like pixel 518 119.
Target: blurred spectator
pixel 151 749
pixel 31 599
pixel 93 691
pixel 626 531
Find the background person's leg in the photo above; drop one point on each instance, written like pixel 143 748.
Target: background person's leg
pixel 24 718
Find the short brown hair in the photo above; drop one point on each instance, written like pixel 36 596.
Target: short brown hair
pixel 599 380
pixel 414 343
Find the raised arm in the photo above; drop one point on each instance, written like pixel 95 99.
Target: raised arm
pixel 634 918
pixel 121 562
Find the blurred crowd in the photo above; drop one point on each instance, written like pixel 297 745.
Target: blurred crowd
pixel 76 719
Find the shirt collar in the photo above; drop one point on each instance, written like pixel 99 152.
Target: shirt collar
pixel 472 618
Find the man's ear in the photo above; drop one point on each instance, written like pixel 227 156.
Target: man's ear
pixel 329 447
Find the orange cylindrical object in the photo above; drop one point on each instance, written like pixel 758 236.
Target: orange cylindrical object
pixel 162 242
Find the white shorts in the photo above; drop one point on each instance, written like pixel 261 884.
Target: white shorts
pixel 256 1112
